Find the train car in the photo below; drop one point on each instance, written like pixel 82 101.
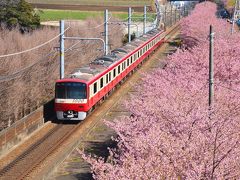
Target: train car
pixel 78 94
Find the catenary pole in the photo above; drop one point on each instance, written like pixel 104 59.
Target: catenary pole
pixel 106 31
pixel 129 23
pixel 175 14
pixel 211 68
pixel 145 19
pixel 234 17
pixel 61 49
pixel 165 15
pixel 171 14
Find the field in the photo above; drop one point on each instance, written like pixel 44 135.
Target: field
pixel 94 2
pixel 54 15
pixel 51 15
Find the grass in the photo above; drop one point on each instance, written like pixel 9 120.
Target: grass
pixel 55 15
pixel 95 2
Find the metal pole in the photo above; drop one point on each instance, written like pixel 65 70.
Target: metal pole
pixel 106 31
pixel 211 66
pixel 129 23
pixel 175 15
pixel 145 19
pixel 165 15
pixel 179 12
pixel 61 49
pixel 171 15
pixel 235 7
pixel 184 11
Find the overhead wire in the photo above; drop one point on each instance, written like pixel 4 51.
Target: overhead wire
pixel 229 88
pixel 97 25
pixel 17 73
pixel 31 49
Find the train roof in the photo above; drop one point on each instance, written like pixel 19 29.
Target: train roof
pixel 99 65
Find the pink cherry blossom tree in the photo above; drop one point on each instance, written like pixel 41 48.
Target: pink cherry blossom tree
pixel 172 133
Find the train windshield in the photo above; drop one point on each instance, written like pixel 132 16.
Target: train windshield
pixel 71 90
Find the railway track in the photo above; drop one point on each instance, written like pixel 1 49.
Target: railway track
pixel 26 163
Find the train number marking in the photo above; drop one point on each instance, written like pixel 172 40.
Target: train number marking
pixel 78 100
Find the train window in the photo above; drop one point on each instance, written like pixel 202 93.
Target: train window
pixel 119 69
pixel 101 82
pixel 95 87
pixel 122 66
pixel 71 90
pixel 138 53
pixel 127 62
pixel 114 73
pixel 131 59
pixel 110 77
pixel 106 78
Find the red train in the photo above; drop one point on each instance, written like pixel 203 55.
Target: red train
pixel 78 94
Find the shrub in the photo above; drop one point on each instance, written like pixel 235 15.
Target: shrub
pixel 18 14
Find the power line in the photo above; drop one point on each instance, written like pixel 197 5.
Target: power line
pixel 17 53
pixel 230 81
pixel 229 88
pixel 17 73
pixel 95 26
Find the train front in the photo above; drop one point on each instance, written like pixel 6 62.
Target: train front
pixel 71 99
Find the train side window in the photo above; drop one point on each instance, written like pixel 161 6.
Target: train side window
pixel 110 77
pixel 114 73
pixel 106 78
pixel 131 59
pixel 101 82
pixel 122 66
pixel 128 62
pixel 95 87
pixel 138 53
pixel 119 69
